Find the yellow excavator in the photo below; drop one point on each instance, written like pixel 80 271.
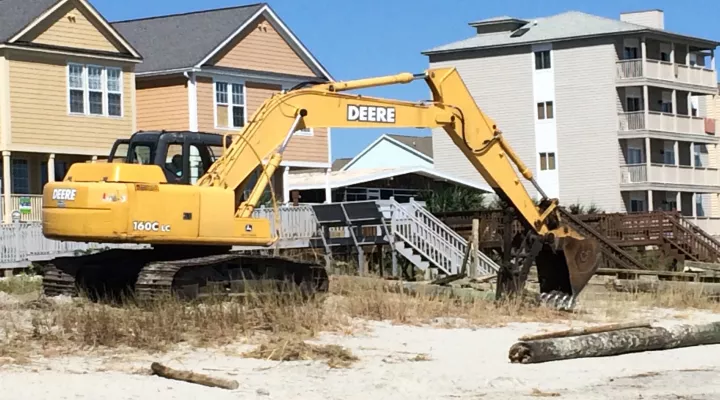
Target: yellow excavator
pixel 192 210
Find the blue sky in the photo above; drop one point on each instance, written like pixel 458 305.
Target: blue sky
pixel 380 37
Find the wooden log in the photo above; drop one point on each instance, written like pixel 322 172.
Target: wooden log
pixel 193 377
pixel 614 343
pixel 586 331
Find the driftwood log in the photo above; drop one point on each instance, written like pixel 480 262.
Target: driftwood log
pixel 193 377
pixel 614 343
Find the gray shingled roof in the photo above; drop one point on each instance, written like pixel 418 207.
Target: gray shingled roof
pixel 17 14
pixel 182 40
pixel 567 25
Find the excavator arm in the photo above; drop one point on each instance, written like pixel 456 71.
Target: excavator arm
pixel 565 259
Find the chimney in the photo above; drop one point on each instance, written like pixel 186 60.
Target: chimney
pixel 651 18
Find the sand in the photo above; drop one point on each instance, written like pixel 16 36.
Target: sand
pixel 457 364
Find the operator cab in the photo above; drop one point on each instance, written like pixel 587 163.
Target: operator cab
pixel 182 155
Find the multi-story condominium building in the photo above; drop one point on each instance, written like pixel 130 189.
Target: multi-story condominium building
pixel 606 112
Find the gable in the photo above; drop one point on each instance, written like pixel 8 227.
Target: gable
pixel 71 26
pixel 385 153
pixel 262 48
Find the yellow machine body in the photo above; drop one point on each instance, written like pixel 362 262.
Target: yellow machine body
pixel 128 203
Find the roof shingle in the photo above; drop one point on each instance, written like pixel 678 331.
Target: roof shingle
pixel 182 40
pixel 17 14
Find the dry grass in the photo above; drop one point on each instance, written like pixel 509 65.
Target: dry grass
pixel 53 328
pixel 294 349
pixel 20 284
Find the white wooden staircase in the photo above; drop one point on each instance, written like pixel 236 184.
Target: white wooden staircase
pixel 426 242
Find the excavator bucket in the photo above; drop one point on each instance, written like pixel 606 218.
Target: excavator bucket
pixel 568 268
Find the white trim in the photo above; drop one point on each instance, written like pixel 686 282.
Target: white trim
pixel 57 150
pixel 277 22
pixel 78 53
pixel 192 102
pixel 304 164
pixel 165 72
pixel 5 113
pixel 230 83
pixel 91 10
pixel 391 140
pixel 259 78
pixel 375 174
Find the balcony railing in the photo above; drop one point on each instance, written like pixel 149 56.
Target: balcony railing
pixel 666 71
pixel 669 174
pixel 664 122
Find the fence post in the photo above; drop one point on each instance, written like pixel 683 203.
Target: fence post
pixel 16 234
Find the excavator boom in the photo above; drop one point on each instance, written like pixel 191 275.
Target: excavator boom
pixel 213 212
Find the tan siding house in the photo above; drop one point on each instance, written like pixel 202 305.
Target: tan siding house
pixel 67 92
pixel 238 58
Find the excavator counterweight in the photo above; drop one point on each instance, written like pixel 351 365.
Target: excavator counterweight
pixel 190 196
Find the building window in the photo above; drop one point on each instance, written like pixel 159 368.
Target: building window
pixel 94 90
pixel 630 53
pixel 547 161
pixel 633 104
pixel 545 110
pixel 20 177
pixel 634 156
pixel 542 59
pixel 230 109
pixel 637 205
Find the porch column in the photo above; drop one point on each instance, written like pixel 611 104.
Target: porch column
pixel 692 154
pixel 643 52
pixel 7 212
pixel 689 103
pixel 672 52
pixel 286 187
pixel 646 106
pixel 650 200
pixel 712 64
pixel 51 167
pixel 328 189
pixel 678 201
pixel 648 156
pixel 687 55
pixel 94 159
pixel 673 100
pixel 676 151
pixel 694 205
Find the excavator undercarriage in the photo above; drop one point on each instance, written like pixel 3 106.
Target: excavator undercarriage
pixel 150 274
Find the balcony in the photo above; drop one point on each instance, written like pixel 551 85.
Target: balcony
pixel 631 71
pixel 666 174
pixel 667 122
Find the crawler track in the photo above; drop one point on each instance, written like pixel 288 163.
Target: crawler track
pixel 151 274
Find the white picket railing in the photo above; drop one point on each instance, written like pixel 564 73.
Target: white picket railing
pixel 435 241
pixel 411 223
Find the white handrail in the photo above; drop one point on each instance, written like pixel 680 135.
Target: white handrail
pixel 487 265
pixel 440 245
